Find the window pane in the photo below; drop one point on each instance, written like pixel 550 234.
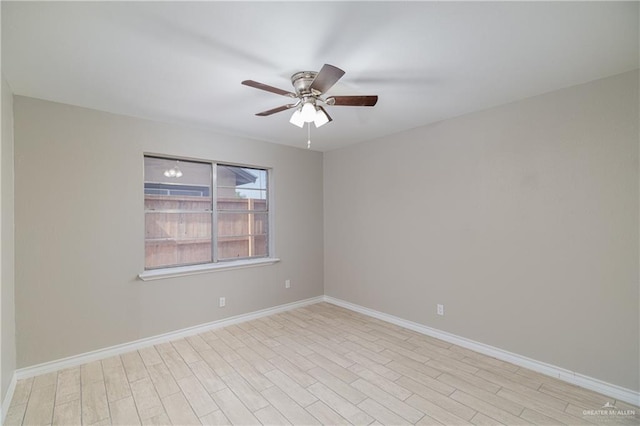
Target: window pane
pixel 242 235
pixel 238 248
pixel 241 188
pixel 239 203
pixel 178 207
pixel 176 203
pixel 230 224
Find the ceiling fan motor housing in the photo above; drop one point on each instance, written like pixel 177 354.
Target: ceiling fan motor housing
pixel 302 82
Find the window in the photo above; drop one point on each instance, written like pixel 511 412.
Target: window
pixel 202 212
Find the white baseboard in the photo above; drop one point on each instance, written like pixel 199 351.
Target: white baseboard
pixel 86 357
pixel 596 385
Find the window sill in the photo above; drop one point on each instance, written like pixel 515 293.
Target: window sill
pixel 181 271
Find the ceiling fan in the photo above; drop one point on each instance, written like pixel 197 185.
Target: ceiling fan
pixel 310 90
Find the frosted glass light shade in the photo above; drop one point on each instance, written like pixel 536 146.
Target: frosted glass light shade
pixel 308 112
pixel 296 118
pixel 321 118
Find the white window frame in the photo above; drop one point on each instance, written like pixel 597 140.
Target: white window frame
pixel 217 265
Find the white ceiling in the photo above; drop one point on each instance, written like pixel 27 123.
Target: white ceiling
pixel 427 61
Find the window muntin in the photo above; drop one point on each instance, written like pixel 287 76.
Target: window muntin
pixel 179 213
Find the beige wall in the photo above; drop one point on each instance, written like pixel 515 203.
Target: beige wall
pixel 7 308
pixel 80 231
pixel 522 220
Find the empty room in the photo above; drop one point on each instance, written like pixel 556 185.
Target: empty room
pixel 306 212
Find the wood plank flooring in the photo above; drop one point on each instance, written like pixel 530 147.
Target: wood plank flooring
pixel 315 365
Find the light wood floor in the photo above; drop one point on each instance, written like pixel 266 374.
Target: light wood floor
pixel 316 365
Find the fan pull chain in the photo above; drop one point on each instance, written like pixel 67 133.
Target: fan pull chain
pixel 308 135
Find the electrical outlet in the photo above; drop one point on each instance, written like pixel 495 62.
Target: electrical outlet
pixel 287 283
pixel 440 309
pixel 223 302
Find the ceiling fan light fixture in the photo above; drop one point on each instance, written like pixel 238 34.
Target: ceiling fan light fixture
pixel 296 119
pixel 173 172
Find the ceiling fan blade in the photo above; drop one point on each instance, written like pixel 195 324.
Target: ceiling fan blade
pixel 274 110
pixel 326 78
pixel 268 88
pixel 353 100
